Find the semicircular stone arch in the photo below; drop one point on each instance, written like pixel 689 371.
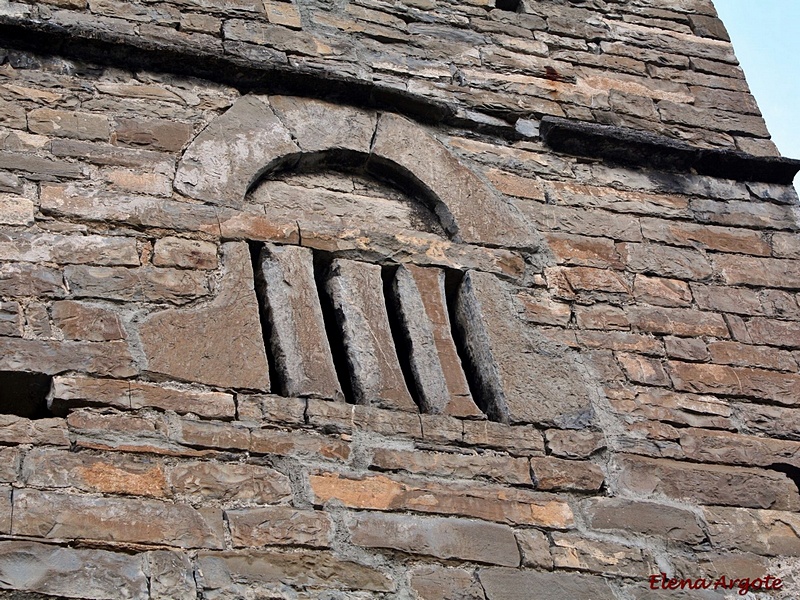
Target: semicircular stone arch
pixel 261 134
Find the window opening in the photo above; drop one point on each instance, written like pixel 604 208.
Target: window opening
pixel 24 394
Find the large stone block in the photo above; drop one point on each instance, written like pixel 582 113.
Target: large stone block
pixel 304 568
pixel 203 481
pixel 519 375
pixel 356 293
pixel 446 539
pixel 70 392
pixel 79 321
pixel 146 284
pixel 106 473
pixel 320 126
pixel 465 205
pixel 767 532
pixel 279 525
pixel 64 123
pixel 649 518
pixel 56 515
pixel 300 348
pixel 432 582
pixel 709 484
pixel 74 573
pixel 223 161
pixel 217 344
pixel 490 503
pixel 512 584
pixel 419 301
pixel 109 359
pixel 782 388
pixel 171 576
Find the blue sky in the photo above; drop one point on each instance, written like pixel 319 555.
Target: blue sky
pixel 766 38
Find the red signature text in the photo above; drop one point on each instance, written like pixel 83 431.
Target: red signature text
pixel 744 585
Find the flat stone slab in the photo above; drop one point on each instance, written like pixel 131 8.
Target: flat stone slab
pixel 218 344
pixel 356 292
pixel 522 377
pixel 300 346
pixel 420 303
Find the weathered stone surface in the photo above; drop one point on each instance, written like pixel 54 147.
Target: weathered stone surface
pixel 223 161
pixel 736 449
pixel 572 551
pixel 74 573
pixel 78 249
pixel 27 279
pixel 300 348
pixel 57 515
pixel 535 548
pixel 724 239
pixel 783 388
pixel 11 319
pixel 678 321
pixel 661 292
pixel 774 421
pixel 491 503
pixel 767 272
pixel 575 443
pixel 10 461
pixel 356 293
pixel 109 359
pixel 525 440
pixel 470 209
pixel 79 321
pixel 15 210
pixel 438 583
pixel 774 332
pixel 279 525
pixel 221 569
pixel 63 123
pixel 282 443
pixel 666 261
pixel 145 284
pixel 217 344
pixel 5 509
pixel 746 355
pixel 79 391
pixel 171 576
pixel 543 310
pixel 709 484
pixel 420 303
pixel 103 473
pixel 204 481
pixel 644 517
pixel 511 584
pixel 445 464
pixel 520 377
pixel 769 532
pixel 556 474
pixel 184 254
pixel 18 430
pixel 446 539
pixel 160 134
pixel 321 126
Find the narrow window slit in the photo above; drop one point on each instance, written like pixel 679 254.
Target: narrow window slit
pixel 452 286
pixel 400 335
pixel 322 266
pixel 256 254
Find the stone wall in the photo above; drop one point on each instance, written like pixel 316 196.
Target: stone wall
pixel 367 300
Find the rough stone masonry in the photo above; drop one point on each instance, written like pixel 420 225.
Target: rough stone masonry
pixel 408 300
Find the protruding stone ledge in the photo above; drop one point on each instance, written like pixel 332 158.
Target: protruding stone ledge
pixel 636 148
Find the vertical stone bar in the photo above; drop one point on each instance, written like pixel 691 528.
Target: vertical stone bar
pixel 356 292
pixel 298 340
pixel 521 376
pixel 420 300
